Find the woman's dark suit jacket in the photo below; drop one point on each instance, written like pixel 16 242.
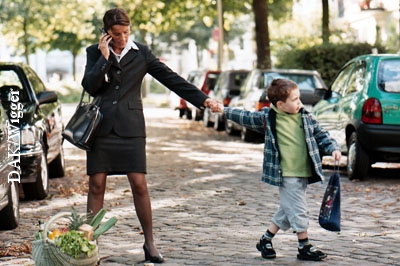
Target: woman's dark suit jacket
pixel 121 101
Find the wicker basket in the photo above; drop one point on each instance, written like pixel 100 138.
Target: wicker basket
pixel 46 253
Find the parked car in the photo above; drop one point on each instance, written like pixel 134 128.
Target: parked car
pixel 204 80
pixel 185 109
pixel 227 86
pixel 9 175
pixel 253 94
pixel 361 110
pixel 36 112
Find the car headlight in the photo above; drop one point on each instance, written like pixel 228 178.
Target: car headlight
pixel 27 136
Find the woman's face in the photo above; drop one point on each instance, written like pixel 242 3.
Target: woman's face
pixel 120 35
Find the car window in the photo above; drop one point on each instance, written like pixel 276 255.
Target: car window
pixel 267 78
pixel 252 81
pixel 357 78
pixel 35 82
pixel 191 76
pixel 339 84
pixel 389 76
pixel 9 81
pixel 211 80
pixel 198 80
pixel 256 81
pixel 220 83
pixel 304 82
pixel 236 80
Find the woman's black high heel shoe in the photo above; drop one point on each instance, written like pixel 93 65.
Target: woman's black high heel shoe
pixel 147 256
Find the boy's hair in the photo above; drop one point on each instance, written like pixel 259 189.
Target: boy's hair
pixel 279 90
pixel 115 16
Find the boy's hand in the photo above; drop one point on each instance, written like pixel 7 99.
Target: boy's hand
pixel 218 109
pixel 214 105
pixel 337 155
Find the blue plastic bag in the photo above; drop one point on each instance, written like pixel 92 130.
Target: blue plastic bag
pixel 329 215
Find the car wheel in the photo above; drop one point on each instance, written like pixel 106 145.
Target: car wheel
pixel 250 136
pixel 56 167
pixel 206 118
pixel 218 122
pixel 199 115
pixel 357 159
pixel 10 214
pixel 229 128
pixel 40 188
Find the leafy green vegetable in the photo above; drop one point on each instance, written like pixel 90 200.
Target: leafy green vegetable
pixel 74 243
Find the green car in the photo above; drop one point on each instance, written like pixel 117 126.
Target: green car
pixel 361 111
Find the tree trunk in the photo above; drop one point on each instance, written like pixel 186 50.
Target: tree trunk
pixel 26 42
pixel 74 55
pixel 325 21
pixel 260 9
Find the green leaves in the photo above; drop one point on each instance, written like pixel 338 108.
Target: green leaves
pixel 74 243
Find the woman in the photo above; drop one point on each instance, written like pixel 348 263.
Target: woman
pixel 114 72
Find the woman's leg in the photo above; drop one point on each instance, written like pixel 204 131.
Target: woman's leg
pixel 142 203
pixel 97 188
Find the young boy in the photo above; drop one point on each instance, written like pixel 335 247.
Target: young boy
pixel 293 141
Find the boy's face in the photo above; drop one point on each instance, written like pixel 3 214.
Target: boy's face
pixel 292 104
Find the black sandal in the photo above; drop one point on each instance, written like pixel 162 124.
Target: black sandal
pixel 308 252
pixel 266 248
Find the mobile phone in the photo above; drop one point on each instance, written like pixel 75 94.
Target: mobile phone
pixel 103 31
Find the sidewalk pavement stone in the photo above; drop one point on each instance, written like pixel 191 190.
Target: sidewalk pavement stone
pixel 210 207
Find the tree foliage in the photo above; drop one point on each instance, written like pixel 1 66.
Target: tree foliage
pixel 24 24
pixel 73 24
pixel 327 59
pixel 49 25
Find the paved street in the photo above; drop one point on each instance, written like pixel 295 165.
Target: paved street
pixel 210 207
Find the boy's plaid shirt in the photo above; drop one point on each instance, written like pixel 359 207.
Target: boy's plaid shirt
pixel 317 139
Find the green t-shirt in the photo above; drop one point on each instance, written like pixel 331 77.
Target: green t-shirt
pixel 295 161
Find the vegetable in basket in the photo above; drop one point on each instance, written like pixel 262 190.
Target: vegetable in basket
pixel 79 238
pixel 74 243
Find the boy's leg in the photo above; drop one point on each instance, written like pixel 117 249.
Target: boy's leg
pixel 265 243
pixel 279 221
pixel 273 228
pixel 306 250
pixel 294 204
pixel 299 221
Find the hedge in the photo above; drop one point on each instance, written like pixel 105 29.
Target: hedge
pixel 327 59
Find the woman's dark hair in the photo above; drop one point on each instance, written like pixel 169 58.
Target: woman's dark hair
pixel 279 90
pixel 115 16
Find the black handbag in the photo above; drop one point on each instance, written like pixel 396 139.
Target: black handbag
pixel 81 128
pixel 329 215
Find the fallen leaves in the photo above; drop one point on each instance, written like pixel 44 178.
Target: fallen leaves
pixel 17 250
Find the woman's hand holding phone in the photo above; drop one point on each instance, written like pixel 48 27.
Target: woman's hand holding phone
pixel 104 42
